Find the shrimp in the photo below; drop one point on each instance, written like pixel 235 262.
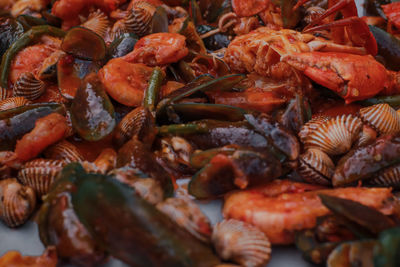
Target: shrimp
pixel 125 82
pixel 158 49
pixel 14 258
pixel 283 207
pixel 48 130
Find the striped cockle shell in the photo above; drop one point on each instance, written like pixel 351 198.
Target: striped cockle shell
pixel 97 22
pixel 241 243
pixel 28 86
pixel 40 174
pixel 5 93
pixel 389 177
pixel 316 167
pixel 187 215
pixel 367 135
pixel 383 118
pixel 17 202
pixel 64 150
pixel 311 126
pixel 138 20
pixel 335 136
pixel 148 188
pixel 13 102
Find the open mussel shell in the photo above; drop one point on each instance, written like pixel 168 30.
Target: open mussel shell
pixel 64 150
pixel 123 45
pixel 10 31
pixel 389 177
pixel 97 22
pixel 17 202
pixel 335 136
pixel 381 117
pixel 40 174
pixel 138 20
pixel 241 243
pixel 13 102
pixel 316 167
pixel 187 215
pixel 28 86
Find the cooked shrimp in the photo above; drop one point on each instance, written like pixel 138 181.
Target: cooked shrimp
pixel 14 258
pixel 125 82
pixel 283 207
pixel 48 130
pixel 158 49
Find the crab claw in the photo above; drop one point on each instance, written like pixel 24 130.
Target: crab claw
pixel 353 77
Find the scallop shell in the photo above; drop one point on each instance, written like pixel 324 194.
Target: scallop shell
pixel 147 188
pixel 389 177
pixel 13 102
pixel 138 122
pixel 28 86
pixel 138 21
pixel 241 243
pixel 316 167
pixel 40 174
pixel 97 22
pixel 381 117
pixel 335 136
pixel 311 126
pixel 64 150
pixel 17 202
pixel 187 215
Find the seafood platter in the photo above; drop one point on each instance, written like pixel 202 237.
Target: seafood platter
pixel 199 133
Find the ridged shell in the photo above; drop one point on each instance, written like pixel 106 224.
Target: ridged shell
pixel 17 202
pixel 97 22
pixel 147 188
pixel 187 215
pixel 311 126
pixel 138 21
pixel 135 123
pixel 381 117
pixel 5 93
pixel 335 136
pixel 28 86
pixel 367 136
pixel 316 167
pixel 389 177
pixel 64 150
pixel 13 102
pixel 40 174
pixel 241 243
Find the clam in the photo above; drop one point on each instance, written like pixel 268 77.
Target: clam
pixel 382 118
pixel 64 150
pixel 147 188
pixel 367 135
pixel 17 202
pixel 28 86
pixel 106 161
pixel 389 177
pixel 139 122
pixel 187 215
pixel 97 22
pixel 311 126
pixel 13 102
pixel 40 174
pixel 4 93
pixel 335 136
pixel 241 243
pixel 316 166
pixel 137 21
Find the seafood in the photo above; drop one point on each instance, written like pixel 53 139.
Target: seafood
pixel 13 102
pixel 98 22
pixel 65 151
pixel 14 258
pixel 29 86
pixel 17 202
pixel 281 208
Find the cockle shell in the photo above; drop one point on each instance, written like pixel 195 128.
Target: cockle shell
pixel 311 126
pixel 5 93
pixel 367 135
pixel 382 118
pixel 17 202
pixel 335 136
pixel 28 86
pixel 187 215
pixel 389 177
pixel 40 174
pixel 97 22
pixel 138 20
pixel 316 167
pixel 64 150
pixel 241 243
pixel 13 102
pixel 148 188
